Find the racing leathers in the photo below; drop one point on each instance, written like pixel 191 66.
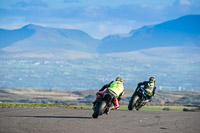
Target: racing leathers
pixel 149 87
pixel 115 87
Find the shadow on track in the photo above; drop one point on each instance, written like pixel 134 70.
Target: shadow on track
pixel 69 117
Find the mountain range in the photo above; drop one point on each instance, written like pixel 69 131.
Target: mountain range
pixel 179 32
pixel 44 42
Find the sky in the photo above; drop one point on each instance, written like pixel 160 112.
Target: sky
pixel 98 18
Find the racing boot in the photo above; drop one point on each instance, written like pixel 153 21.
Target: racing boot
pixel 107 111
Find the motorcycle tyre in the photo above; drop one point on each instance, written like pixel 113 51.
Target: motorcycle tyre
pixel 135 100
pixel 130 105
pixel 99 110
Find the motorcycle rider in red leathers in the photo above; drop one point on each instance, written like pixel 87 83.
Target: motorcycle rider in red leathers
pixel 117 88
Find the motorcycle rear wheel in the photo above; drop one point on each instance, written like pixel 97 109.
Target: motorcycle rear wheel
pixel 135 102
pixel 99 110
pixel 130 105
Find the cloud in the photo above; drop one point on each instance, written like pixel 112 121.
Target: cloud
pixel 184 2
pixel 97 20
pixel 32 3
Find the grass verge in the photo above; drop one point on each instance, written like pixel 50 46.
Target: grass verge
pixel 43 105
pixel 122 107
pixel 167 108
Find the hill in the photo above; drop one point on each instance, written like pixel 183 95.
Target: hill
pixel 88 96
pixel 184 31
pixel 43 42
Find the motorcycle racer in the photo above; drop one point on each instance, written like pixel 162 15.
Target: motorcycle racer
pixel 149 87
pixel 116 88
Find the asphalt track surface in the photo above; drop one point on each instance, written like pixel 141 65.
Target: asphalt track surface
pixel 65 120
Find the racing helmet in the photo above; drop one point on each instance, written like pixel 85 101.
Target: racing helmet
pixel 119 79
pixel 152 79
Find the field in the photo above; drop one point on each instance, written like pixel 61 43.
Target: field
pixel 88 96
pixel 164 100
